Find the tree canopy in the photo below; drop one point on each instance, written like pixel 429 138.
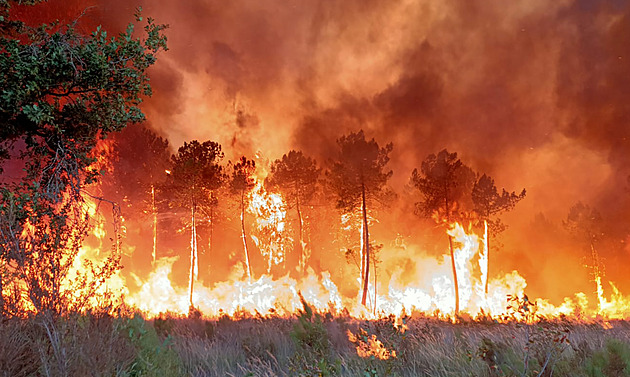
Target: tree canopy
pixel 359 168
pixel 444 182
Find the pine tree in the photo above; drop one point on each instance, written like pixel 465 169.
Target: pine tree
pixel 444 183
pixel 358 178
pixel 241 185
pixel 296 176
pixel 195 174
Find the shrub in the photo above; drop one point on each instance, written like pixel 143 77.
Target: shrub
pixel 154 357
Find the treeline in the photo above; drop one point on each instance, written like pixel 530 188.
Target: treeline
pixel 192 183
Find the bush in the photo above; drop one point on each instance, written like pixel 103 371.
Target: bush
pixel 313 356
pixel 153 357
pixel 612 361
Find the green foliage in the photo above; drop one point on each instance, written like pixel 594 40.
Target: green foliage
pixel 313 356
pixel 65 85
pixel 153 356
pixel 612 361
pixel 62 92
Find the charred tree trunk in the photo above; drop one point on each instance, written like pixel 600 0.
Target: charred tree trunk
pixel 366 245
pixel 244 237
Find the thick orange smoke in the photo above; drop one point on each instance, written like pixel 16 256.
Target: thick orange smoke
pixel 533 93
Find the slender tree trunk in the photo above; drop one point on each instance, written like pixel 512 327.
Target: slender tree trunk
pixel 302 262
pixel 194 267
pixel 487 246
pixel 450 244
pixel 154 209
pixel 244 237
pixel 366 245
pixel 211 228
pixel 375 281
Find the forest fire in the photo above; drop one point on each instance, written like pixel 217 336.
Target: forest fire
pixel 314 188
pixel 270 295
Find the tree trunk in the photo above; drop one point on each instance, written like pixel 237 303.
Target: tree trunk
pixel 375 281
pixel 366 245
pixel 302 262
pixel 194 268
pixel 487 246
pixel 450 244
pixel 154 253
pixel 211 228
pixel 247 265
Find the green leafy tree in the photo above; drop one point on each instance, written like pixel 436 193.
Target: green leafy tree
pixel 241 185
pixel 296 176
pixel 444 183
pixel 358 177
pixel 488 204
pixel 195 175
pixel 62 91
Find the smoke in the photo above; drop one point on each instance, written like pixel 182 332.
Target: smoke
pixel 534 93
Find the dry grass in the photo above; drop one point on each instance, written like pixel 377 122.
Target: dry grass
pixel 99 345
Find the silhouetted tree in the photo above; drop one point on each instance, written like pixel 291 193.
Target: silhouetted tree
pixel 586 224
pixel 196 172
pixel 487 204
pixel 444 182
pixel 358 177
pixel 241 184
pixel 140 160
pixel 296 176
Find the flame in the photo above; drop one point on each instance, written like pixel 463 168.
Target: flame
pixel 431 292
pixel 237 296
pixel 370 346
pixel 270 213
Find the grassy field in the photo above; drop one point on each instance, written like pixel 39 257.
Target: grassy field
pixel 309 345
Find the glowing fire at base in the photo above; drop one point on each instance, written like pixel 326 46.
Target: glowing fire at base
pixel 281 296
